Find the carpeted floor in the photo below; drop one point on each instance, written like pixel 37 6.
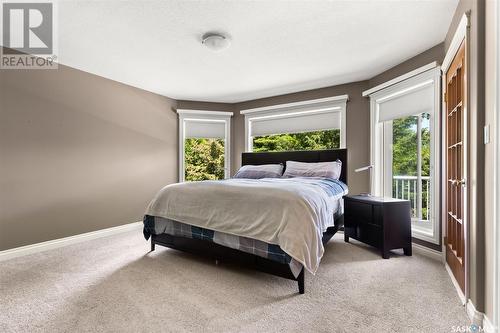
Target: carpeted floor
pixel 114 285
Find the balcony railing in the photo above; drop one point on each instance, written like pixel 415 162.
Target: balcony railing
pixel 406 187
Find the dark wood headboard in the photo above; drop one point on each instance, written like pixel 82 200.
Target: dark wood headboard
pixel 299 156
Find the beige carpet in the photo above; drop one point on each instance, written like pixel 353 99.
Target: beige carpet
pixel 114 285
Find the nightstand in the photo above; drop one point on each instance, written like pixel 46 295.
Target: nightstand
pixel 384 223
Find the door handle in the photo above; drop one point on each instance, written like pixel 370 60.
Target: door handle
pixel 462 182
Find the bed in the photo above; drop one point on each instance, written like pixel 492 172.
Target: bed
pixel 283 236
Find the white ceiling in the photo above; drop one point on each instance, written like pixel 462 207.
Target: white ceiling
pixel 276 47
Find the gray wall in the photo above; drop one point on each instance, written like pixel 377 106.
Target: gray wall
pixel 82 153
pixel 481 112
pixel 435 53
pixel 481 192
pixel 78 153
pixel 358 114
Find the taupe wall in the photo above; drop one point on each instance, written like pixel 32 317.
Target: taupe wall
pixel 358 114
pixel 358 126
pixel 82 153
pixel 208 106
pixel 481 112
pixel 78 153
pixel 476 146
pixel 435 53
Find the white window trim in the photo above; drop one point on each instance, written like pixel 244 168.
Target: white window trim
pixel 377 157
pixel 401 78
pixel 186 115
pixel 288 110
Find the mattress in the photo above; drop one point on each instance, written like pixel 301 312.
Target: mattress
pixel 158 225
pixel 286 214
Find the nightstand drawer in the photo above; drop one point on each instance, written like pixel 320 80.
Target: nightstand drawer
pixel 378 215
pixel 370 234
pixel 358 212
pixel 382 222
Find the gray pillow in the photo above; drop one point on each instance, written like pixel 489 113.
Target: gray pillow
pixel 260 171
pixel 320 169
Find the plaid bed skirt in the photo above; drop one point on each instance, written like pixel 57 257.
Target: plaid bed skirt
pixel 158 225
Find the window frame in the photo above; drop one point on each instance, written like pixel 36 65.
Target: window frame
pixel 379 178
pixel 334 104
pixel 187 115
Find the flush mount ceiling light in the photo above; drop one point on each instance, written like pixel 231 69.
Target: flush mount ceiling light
pixel 214 41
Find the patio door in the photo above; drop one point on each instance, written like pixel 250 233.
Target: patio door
pixel 456 167
pixel 404 146
pixel 409 158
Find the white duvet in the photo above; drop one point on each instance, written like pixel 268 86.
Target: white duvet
pixel 292 213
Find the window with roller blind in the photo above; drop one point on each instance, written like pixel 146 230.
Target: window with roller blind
pixel 306 125
pixel 204 145
pixel 404 147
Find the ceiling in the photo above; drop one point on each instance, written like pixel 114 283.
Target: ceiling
pixel 277 47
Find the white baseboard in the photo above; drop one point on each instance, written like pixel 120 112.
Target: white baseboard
pixel 475 316
pixel 425 251
pixel 479 319
pixel 488 325
pixel 455 283
pixel 56 243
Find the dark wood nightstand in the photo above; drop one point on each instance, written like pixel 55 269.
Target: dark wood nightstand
pixel 381 222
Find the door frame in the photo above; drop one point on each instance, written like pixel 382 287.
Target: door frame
pixel 461 34
pixel 496 221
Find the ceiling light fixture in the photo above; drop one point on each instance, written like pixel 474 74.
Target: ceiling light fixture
pixel 215 41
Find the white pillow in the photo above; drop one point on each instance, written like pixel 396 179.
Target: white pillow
pixel 260 171
pixel 320 169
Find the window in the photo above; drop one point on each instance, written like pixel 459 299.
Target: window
pixel 204 145
pixel 307 125
pixel 326 139
pixel 411 176
pixel 204 159
pixel 404 146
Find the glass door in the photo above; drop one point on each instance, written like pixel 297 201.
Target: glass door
pixel 409 157
pixel 404 130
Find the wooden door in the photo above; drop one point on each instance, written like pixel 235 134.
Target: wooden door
pixel 456 98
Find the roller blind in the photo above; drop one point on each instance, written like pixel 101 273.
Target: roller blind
pixel 296 124
pixel 204 129
pixel 414 102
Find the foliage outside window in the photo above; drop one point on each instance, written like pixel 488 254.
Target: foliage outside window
pixel 404 149
pixel 204 159
pixel 405 160
pixel 316 140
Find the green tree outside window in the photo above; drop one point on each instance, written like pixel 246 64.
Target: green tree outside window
pixel 404 156
pixel 204 159
pixel 316 140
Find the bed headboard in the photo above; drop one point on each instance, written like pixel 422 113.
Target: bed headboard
pixel 299 156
